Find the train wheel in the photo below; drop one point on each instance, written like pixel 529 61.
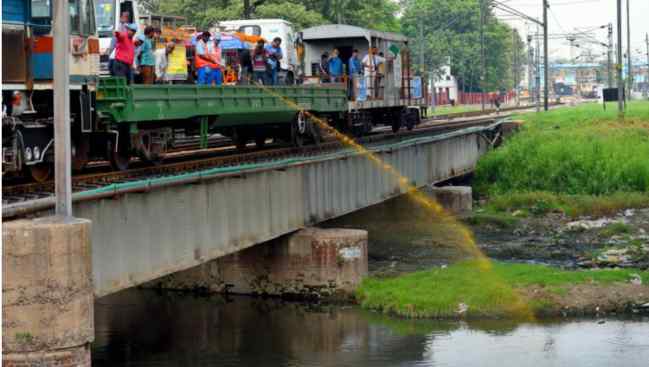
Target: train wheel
pixel 80 155
pixel 299 129
pixel 260 141
pixel 240 140
pixel 396 124
pixel 119 159
pixel 40 172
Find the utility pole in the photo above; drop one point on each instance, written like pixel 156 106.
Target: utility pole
pixel 620 83
pixel 647 81
pixel 482 54
pixel 516 68
pixel 610 55
pixel 545 56
pixel 629 74
pixel 421 48
pixel 538 70
pixel 530 66
pixel 62 143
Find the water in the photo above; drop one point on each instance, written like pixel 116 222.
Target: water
pixel 149 328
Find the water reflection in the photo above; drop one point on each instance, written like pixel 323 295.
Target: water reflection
pixel 138 327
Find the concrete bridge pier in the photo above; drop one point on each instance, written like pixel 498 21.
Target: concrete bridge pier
pixel 310 263
pixel 47 303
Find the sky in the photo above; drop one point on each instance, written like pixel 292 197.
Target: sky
pixel 567 15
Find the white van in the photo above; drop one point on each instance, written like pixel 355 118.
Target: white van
pixel 269 29
pixel 107 14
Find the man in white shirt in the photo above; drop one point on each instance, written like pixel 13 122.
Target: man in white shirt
pixel 371 63
pixel 162 62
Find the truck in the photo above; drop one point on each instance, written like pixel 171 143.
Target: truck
pixel 269 29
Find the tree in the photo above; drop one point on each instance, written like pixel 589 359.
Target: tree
pixel 451 28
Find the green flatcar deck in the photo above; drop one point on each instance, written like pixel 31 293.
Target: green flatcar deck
pixel 230 105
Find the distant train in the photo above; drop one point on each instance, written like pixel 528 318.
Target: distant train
pixel 115 121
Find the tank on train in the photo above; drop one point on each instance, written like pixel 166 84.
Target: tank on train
pixel 27 90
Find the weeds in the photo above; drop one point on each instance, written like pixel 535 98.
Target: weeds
pixel 581 150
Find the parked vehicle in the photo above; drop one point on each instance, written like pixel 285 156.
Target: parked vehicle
pixel 269 29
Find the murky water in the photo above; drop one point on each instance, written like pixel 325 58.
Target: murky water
pixel 149 328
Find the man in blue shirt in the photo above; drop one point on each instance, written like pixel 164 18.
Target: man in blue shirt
pixel 274 53
pixel 354 66
pixel 335 67
pixel 355 70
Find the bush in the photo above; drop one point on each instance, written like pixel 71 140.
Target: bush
pixel 581 150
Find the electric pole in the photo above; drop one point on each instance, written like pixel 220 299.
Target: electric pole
pixel 628 49
pixel 530 66
pixel 620 83
pixel 647 81
pixel 421 48
pixel 482 54
pixel 546 64
pixel 538 70
pixel 62 138
pixel 610 55
pixel 515 64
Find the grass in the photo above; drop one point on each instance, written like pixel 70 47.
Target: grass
pixel 577 151
pixel 499 220
pixel 443 110
pixel 437 293
pixel 615 229
pixel 543 202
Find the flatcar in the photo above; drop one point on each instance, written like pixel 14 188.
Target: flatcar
pixel 115 121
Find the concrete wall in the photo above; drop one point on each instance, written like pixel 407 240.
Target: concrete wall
pixel 140 237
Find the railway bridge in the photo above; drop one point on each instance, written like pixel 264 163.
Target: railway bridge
pixel 148 230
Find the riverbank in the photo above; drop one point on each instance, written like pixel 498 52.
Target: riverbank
pixel 469 290
pixel 562 209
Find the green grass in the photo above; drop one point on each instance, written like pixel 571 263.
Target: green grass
pixel 615 229
pixel 543 202
pixel 581 150
pixel 443 110
pixel 500 220
pixel 437 293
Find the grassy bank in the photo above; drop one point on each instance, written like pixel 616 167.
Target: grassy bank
pixel 576 151
pixel 465 289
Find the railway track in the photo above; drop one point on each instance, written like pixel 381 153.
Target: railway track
pixel 25 198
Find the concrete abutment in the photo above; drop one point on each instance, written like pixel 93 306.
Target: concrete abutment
pixel 47 292
pixel 310 263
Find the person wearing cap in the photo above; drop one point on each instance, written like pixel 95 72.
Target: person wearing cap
pixel 147 61
pixel 215 54
pixel 124 53
pixel 274 54
pixel 203 61
pixel 161 56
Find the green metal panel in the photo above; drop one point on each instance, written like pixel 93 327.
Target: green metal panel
pixel 232 105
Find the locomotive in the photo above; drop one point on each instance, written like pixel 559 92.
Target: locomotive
pixel 27 92
pixel 114 121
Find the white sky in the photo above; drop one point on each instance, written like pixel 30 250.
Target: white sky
pixel 566 15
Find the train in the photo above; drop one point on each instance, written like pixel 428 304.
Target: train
pixel 116 121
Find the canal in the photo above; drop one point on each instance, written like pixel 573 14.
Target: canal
pixel 150 328
pixel 140 327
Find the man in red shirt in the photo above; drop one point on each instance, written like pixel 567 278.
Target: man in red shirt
pixel 124 53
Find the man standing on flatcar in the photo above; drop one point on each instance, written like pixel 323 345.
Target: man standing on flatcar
pixel 216 55
pixel 203 61
pixel 274 54
pixel 355 71
pixel 122 27
pixel 335 67
pixel 124 53
pixel 161 56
